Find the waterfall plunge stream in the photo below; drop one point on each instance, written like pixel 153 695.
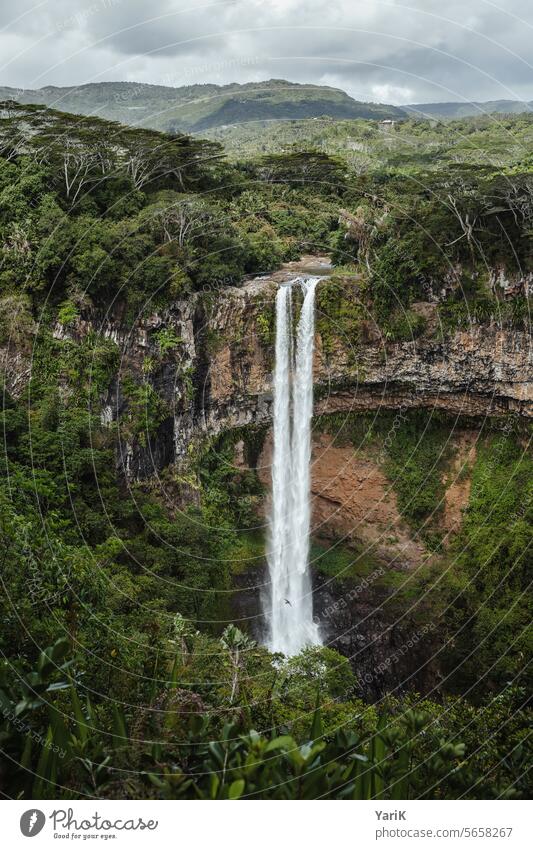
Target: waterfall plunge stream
pixel 290 608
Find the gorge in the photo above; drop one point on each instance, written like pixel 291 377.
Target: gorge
pixel 216 384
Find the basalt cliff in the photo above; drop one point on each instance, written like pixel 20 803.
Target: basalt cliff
pixel 217 374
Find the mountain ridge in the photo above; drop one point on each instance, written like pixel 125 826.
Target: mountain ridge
pixel 206 106
pixel 201 106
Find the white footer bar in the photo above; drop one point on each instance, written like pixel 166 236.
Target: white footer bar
pixel 268 824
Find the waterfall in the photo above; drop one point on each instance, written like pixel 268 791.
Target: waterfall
pixel 290 606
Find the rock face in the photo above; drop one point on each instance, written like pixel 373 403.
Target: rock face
pixel 353 502
pixel 215 375
pixel 219 375
pixel 389 650
pixel 457 481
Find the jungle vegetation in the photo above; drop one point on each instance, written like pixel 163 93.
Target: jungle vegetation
pixel 122 674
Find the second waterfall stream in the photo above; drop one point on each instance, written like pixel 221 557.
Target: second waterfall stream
pixel 289 612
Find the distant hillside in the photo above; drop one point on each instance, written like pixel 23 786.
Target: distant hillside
pixel 466 110
pixel 200 107
pixel 370 146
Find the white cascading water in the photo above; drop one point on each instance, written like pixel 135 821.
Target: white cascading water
pixel 290 608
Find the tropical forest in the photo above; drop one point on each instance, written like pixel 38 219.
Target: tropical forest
pixel 266 504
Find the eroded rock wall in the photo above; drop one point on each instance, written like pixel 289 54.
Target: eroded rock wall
pixel 218 374
pixel 219 377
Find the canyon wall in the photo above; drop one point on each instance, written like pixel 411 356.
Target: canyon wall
pixel 218 374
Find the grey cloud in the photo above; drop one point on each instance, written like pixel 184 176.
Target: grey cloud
pixel 413 50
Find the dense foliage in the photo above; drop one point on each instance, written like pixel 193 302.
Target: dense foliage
pixel 91 212
pixel 203 743
pixel 146 688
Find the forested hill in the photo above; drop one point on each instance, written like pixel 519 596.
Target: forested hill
pixel 189 216
pixel 368 146
pixel 199 107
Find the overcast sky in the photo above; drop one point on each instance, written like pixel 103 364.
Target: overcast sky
pixel 398 51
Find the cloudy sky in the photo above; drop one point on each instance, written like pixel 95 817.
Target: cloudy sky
pixel 398 51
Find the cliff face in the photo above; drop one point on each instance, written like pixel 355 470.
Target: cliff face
pixel 215 374
pixel 389 650
pixel 218 374
pixel 353 502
